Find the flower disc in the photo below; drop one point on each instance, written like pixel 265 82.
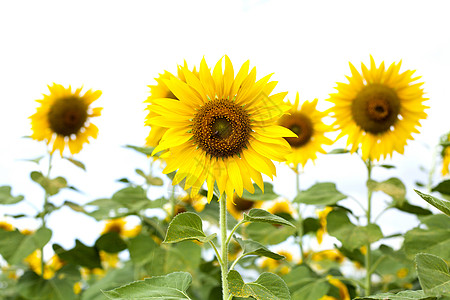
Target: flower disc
pixel 378 110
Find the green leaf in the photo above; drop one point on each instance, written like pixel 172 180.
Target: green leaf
pixel 81 255
pixel 51 186
pixel 312 291
pixel 110 242
pixel 393 187
pixel 324 193
pixel 262 216
pixel 403 295
pixel 443 187
pixel 144 150
pixel 268 286
pixel 350 235
pixel 259 195
pixel 186 226
pixel 387 166
pixel 14 246
pixel 304 284
pixel 268 234
pixel 140 248
pixel 172 286
pixel 74 206
pixel 6 197
pixel 442 205
pixel 439 221
pixel 405 206
pixel 77 163
pixel 433 273
pixel 35 160
pixel 338 151
pixel 434 241
pixel 250 247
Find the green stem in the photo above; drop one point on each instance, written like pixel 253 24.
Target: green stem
pixel 44 211
pixel 300 218
pixel 232 231
pixel 223 237
pixel 219 258
pixel 236 261
pixel 368 256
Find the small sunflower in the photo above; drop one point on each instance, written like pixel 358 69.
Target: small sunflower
pixel 6 226
pixel 63 119
pixel 240 205
pixel 446 158
pixel 198 201
pixel 379 109
pixel 323 223
pixel 343 290
pixel 222 129
pixel 118 225
pixel 277 266
pixel 50 267
pixel 279 206
pixel 157 91
pixel 306 122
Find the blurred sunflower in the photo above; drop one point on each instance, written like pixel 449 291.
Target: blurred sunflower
pixel 158 91
pixel 379 109
pixel 343 290
pixel 240 205
pixel 63 119
pixel 446 158
pixel 323 223
pixel 6 226
pixel 277 266
pixel 306 122
pixel 118 225
pixel 333 255
pixel 198 201
pixel 222 129
pixel 279 206
pixel 50 267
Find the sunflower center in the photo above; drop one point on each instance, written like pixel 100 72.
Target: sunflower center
pixel 221 128
pixel 376 108
pixel 242 204
pixel 301 125
pixel 67 116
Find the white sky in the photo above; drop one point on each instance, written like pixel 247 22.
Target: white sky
pixel 120 46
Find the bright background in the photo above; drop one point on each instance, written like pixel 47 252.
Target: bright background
pixel 119 47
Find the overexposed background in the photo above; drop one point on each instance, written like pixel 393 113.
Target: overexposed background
pixel 119 47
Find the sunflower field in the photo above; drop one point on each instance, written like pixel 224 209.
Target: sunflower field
pixel 239 188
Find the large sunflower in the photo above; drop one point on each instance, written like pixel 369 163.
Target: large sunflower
pixel 222 129
pixel 306 122
pixel 157 91
pixel 379 109
pixel 63 119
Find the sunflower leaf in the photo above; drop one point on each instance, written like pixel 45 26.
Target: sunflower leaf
pixel 268 286
pixel 434 241
pixel 262 216
pixel 77 163
pixel 443 187
pixel 259 195
pixel 323 193
pixel 250 247
pixel 442 205
pixel 403 295
pixel 434 275
pixel 6 197
pixel 393 187
pixel 144 150
pixel 51 186
pixel 171 286
pixel 186 226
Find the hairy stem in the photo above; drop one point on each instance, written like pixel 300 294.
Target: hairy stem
pixel 300 219
pixel 368 256
pixel 224 250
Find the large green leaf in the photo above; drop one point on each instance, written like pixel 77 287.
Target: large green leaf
pixel 80 255
pixel 259 195
pixel 350 235
pixel 433 273
pixel 443 187
pixel 14 246
pixel 172 286
pixel 324 193
pixel 268 234
pixel 6 197
pixel 403 295
pixel 110 242
pixel 140 248
pixel 393 187
pixel 262 216
pixel 186 226
pixel 442 205
pixel 268 286
pixel 250 247
pixel 434 241
pixel 51 186
pixel 60 287
pixel 312 291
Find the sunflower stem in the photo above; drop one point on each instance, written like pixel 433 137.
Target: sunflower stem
pixel 44 210
pixel 300 219
pixel 368 256
pixel 224 250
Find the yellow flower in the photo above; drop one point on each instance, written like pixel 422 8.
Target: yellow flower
pixel 331 254
pixel 6 226
pixel 118 225
pixel 77 287
pixel 343 291
pixel 109 260
pixel 198 201
pixel 323 223
pixel 402 273
pixel 378 110
pixel 50 267
pixel 239 206
pixel 277 266
pixel 306 122
pixel 64 118
pixel 222 129
pixel 160 90
pixel 279 206
pixel 446 158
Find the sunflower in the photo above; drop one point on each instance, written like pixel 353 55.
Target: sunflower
pixel 446 158
pixel 278 266
pixel 343 290
pixel 222 129
pixel 323 223
pixel 379 109
pixel 6 226
pixel 63 119
pixel 240 205
pixel 157 91
pixel 198 201
pixel 118 225
pixel 279 206
pixel 50 267
pixel 306 122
